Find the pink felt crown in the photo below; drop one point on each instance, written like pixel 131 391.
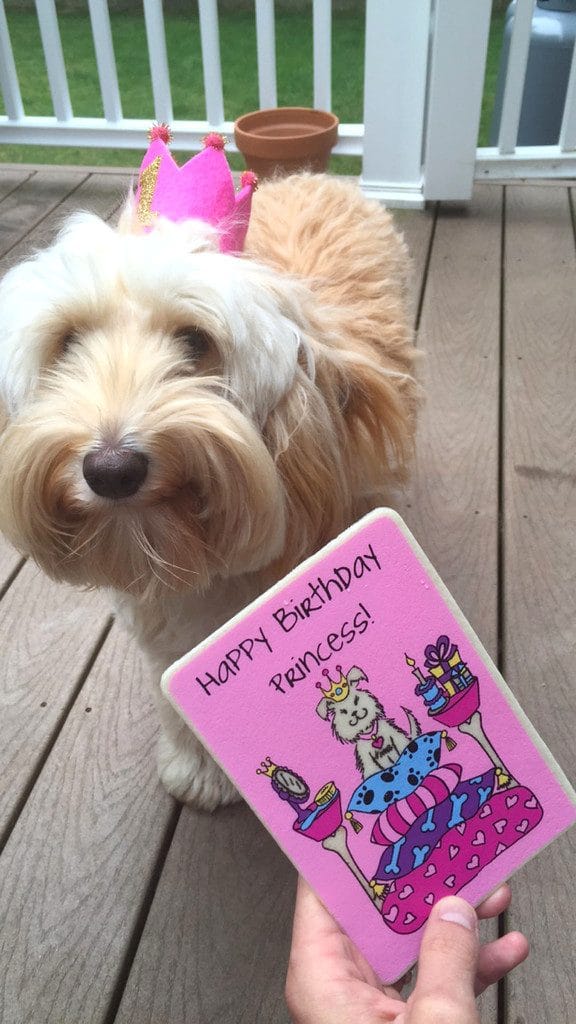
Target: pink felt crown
pixel 202 189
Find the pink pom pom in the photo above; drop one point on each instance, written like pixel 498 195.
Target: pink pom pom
pixel 162 131
pixel 250 179
pixel 214 141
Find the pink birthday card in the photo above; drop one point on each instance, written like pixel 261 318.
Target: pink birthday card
pixel 357 712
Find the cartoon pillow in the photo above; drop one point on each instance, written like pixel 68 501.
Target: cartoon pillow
pixel 382 789
pixel 395 822
pixel 428 830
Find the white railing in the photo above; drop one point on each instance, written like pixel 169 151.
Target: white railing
pixel 507 159
pixel 423 82
pixel 114 130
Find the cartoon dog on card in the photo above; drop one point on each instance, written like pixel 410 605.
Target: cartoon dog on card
pixel 358 717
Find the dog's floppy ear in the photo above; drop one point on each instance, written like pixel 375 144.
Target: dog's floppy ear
pixel 325 708
pixel 356 675
pixel 338 434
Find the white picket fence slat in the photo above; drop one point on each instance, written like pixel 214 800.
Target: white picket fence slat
pixel 266 54
pixel 158 56
pixel 322 62
pixel 567 139
pixel 514 88
pixel 54 56
pixel 8 76
pixel 210 42
pixel 105 60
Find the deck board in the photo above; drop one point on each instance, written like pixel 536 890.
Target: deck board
pixel 216 943
pixel 27 205
pixel 102 194
pixel 118 908
pixel 452 511
pixel 52 633
pixel 78 864
pixel 540 560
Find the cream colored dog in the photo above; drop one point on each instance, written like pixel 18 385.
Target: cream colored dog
pixel 186 426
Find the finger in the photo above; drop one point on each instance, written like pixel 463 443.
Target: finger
pixel 311 919
pixel 495 904
pixel 448 961
pixel 496 959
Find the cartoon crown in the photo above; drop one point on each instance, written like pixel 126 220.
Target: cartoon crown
pixel 339 689
pixel 267 767
pixel 202 189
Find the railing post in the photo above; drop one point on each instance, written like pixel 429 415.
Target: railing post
pixel 55 67
pixel 158 57
pixel 211 65
pixel 458 61
pixel 105 60
pixel 266 50
pixel 394 100
pixel 322 39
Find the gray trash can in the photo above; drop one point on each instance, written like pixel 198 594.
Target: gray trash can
pixel 549 59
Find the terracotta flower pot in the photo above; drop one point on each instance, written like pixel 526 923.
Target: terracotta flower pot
pixel 286 139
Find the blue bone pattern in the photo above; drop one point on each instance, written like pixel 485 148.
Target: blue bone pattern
pixel 456 801
pixel 420 854
pixel 392 868
pixel 428 824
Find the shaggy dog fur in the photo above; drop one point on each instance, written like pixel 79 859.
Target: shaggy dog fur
pixel 267 402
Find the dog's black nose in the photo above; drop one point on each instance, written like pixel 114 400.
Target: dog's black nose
pixel 115 472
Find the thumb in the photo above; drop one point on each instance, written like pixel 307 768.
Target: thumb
pixel 447 966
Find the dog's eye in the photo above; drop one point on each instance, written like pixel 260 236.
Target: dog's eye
pixel 196 340
pixel 355 701
pixel 343 711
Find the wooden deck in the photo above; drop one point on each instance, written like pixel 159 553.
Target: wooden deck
pixel 118 906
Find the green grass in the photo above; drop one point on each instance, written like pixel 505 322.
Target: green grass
pixel 238 47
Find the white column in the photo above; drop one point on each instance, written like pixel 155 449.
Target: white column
pixel 394 100
pixel 458 61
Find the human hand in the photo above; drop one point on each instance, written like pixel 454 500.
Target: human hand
pixel 330 982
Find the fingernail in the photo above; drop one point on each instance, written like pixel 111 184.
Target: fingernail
pixel 457 911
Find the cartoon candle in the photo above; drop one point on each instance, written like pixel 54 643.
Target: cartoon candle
pixel 428 688
pixel 415 670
